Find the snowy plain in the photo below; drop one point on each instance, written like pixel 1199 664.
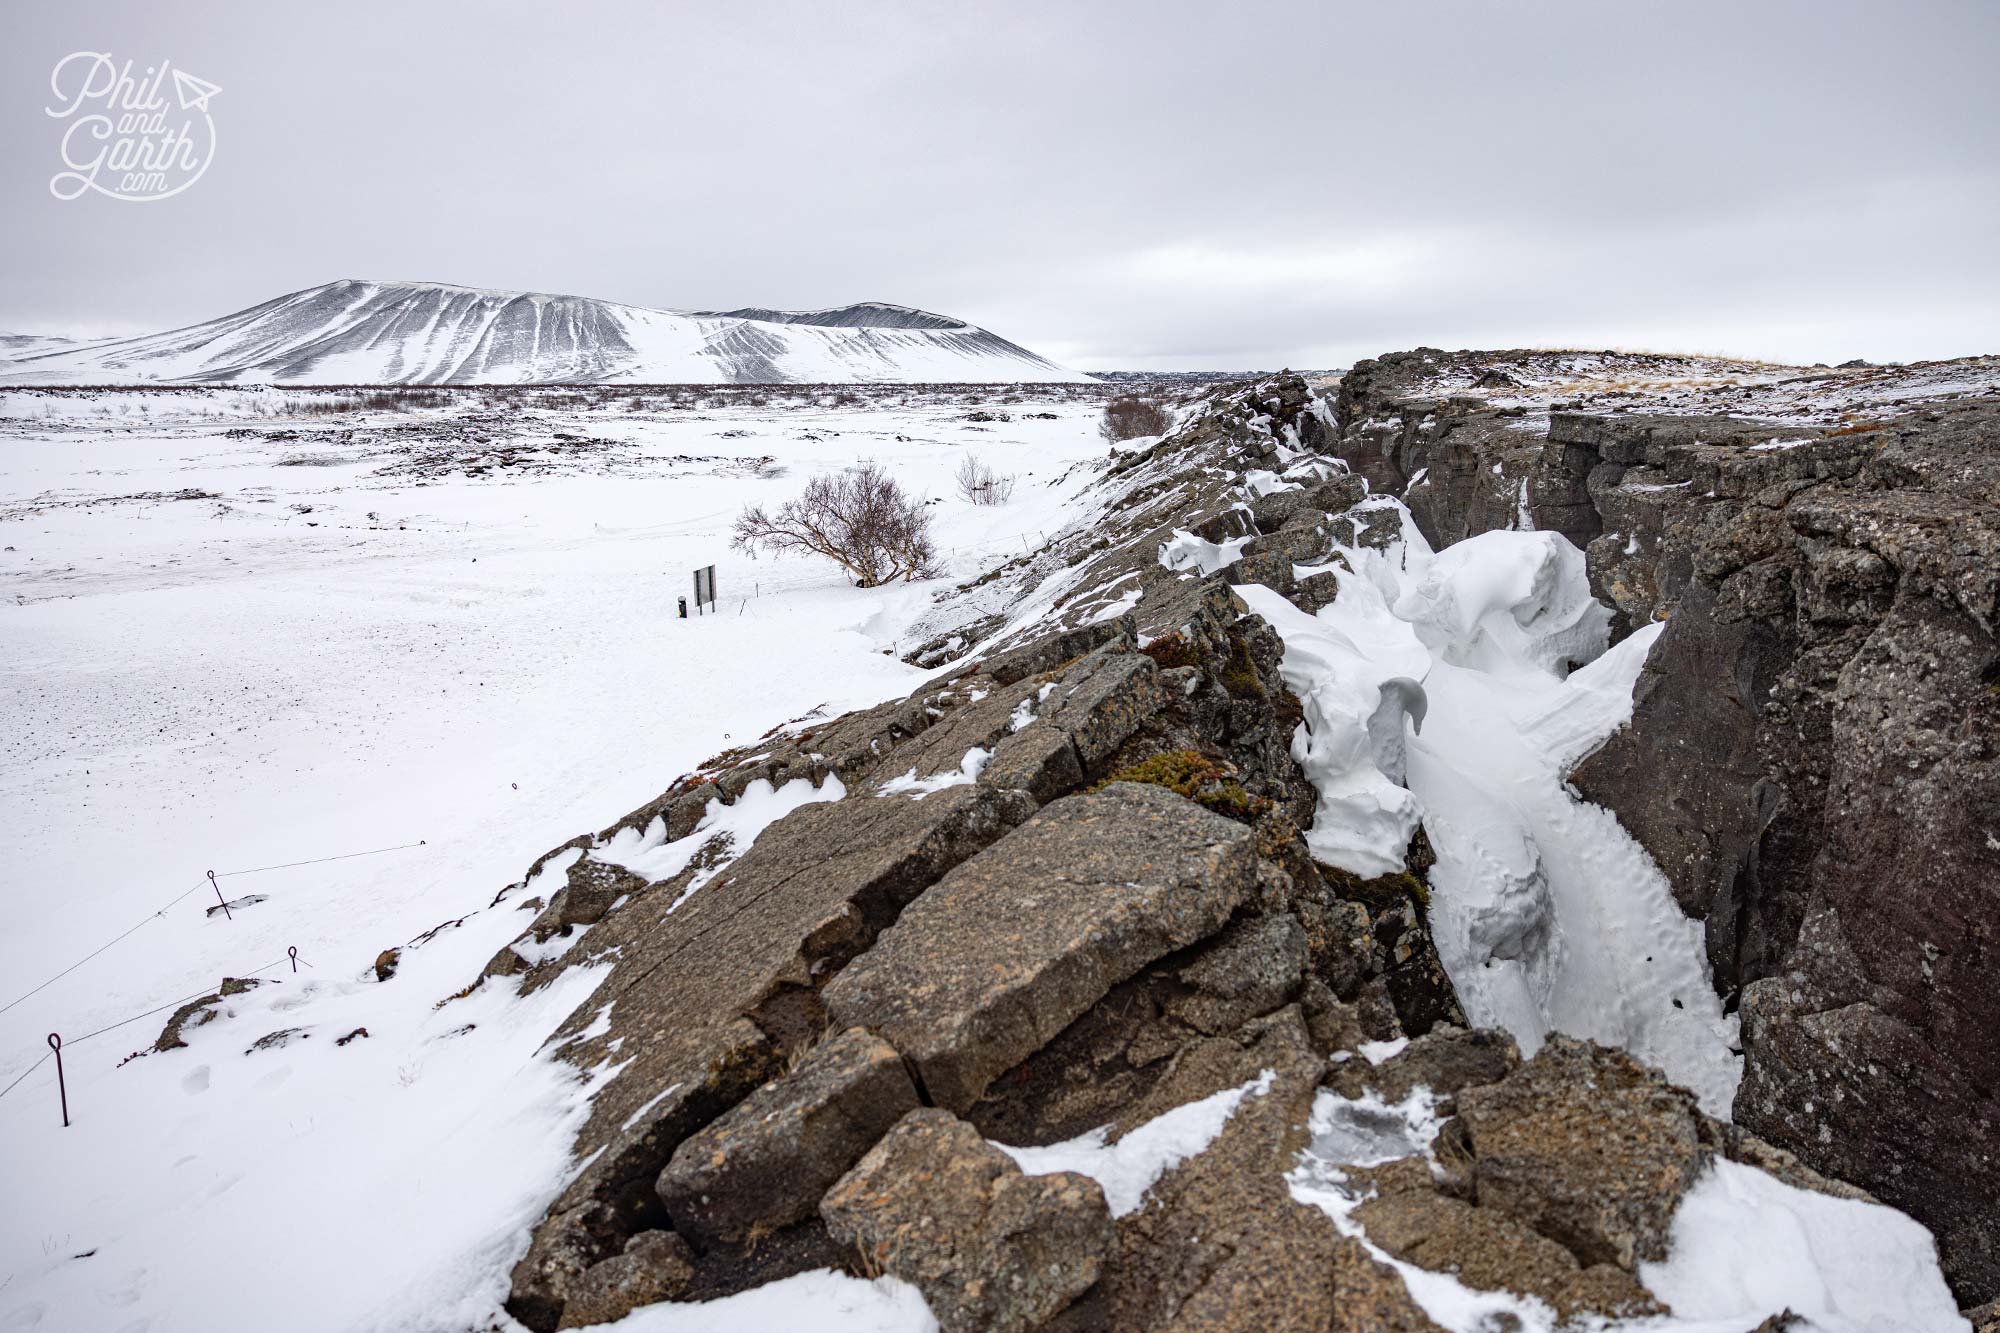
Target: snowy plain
pixel 354 633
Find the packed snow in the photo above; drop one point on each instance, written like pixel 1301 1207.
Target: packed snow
pixel 967 773
pixel 1189 552
pixel 1130 1167
pixel 1436 688
pixel 724 833
pixel 820 1299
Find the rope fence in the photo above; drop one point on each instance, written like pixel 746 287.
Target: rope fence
pixel 57 1043
pixel 202 884
pixel 67 1042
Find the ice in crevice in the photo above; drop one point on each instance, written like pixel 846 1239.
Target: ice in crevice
pixel 1437 688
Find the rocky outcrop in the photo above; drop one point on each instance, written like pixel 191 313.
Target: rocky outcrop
pixel 766 1163
pixel 1010 948
pixel 1489 1250
pixel 1220 1243
pixel 195 1013
pixel 1812 757
pixel 1120 886
pixel 1063 889
pixel 990 1247
pixel 655 1266
pixel 1590 1149
pixel 1834 827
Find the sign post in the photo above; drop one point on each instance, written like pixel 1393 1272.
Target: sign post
pixel 704 588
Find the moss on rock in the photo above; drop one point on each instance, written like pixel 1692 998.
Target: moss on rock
pixel 1172 650
pixel 1388 890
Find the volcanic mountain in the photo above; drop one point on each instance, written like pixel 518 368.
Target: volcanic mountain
pixel 356 332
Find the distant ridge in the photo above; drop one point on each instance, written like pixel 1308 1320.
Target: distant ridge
pixel 361 332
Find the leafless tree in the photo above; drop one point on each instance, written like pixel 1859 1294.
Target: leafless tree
pixel 1128 418
pixel 860 519
pixel 981 484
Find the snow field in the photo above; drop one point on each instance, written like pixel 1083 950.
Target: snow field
pixel 492 665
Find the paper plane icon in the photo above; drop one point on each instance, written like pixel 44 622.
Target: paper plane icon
pixel 194 93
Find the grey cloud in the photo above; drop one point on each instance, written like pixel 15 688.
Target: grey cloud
pixel 1113 184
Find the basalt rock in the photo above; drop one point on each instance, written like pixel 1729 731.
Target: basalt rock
pixel 1489 1250
pixel 195 1013
pixel 1445 1060
pixel 655 1266
pixel 707 1002
pixel 1844 770
pixel 1220 1243
pixel 993 1250
pixel 1588 1147
pixel 767 1162
pixel 1008 949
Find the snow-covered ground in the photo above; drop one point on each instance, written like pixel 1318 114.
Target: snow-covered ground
pixel 372 635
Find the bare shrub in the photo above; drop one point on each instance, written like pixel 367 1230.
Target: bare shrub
pixel 319 406
pixel 859 519
pixel 1128 418
pixel 981 484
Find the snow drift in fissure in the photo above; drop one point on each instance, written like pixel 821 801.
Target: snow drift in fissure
pixel 1437 688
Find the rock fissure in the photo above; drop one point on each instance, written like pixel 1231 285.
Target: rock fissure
pixel 1121 914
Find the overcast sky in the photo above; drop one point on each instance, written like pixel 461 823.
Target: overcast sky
pixel 1139 185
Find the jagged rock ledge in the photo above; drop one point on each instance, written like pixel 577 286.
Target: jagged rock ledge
pixel 1064 887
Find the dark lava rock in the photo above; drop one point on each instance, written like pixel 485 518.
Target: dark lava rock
pixel 1039 760
pixel 1220 1244
pixel 656 1266
pixel 564 1247
pixel 197 1012
pixel 707 1002
pixel 1446 1060
pixel 1253 967
pixel 1052 651
pixel 991 1248
pixel 1588 1147
pixel 1814 754
pixel 272 1041
pixel 1368 1296
pixel 1103 700
pixel 1004 952
pixel 593 886
pixel 1814 762
pixel 767 1162
pixel 1491 1251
